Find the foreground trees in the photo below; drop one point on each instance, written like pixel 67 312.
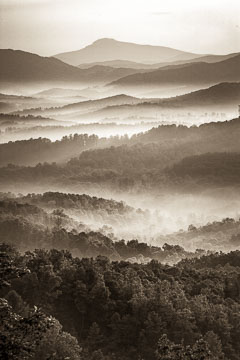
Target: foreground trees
pixel 98 309
pixel 167 350
pixel 27 332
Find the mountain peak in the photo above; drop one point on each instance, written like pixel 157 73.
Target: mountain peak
pixel 108 49
pixel 104 40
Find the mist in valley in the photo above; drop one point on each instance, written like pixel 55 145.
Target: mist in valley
pixel 56 113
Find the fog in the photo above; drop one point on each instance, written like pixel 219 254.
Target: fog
pixel 54 111
pixel 155 217
pixel 109 118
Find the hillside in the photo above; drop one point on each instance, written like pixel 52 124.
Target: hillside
pixel 223 94
pixel 14 102
pixel 34 151
pixel 16 65
pixel 110 49
pixel 138 65
pixel 214 58
pixel 220 169
pixel 83 202
pixel 138 163
pixel 118 64
pixel 20 66
pixel 101 103
pixel 86 106
pixel 218 97
pixel 199 73
pixel 59 92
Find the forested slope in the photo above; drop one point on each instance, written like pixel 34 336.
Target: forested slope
pixel 118 310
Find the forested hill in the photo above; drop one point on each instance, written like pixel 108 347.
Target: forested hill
pixel 147 161
pixel 173 132
pixel 193 73
pixel 129 168
pixel 62 221
pixel 133 310
pixel 27 226
pixel 34 151
pixel 212 137
pixel 218 235
pixel 219 169
pixel 75 201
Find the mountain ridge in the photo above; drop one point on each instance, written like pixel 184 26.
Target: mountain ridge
pixel 22 66
pixel 198 73
pixel 217 96
pixel 108 49
pixel 143 66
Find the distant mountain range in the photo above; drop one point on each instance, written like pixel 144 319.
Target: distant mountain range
pixel 101 103
pixel 59 92
pixel 110 49
pixel 21 66
pixel 84 107
pixel 220 94
pixel 9 102
pixel 223 94
pixel 217 97
pixel 193 73
pixel 138 65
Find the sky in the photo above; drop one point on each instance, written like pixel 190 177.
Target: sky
pixel 48 27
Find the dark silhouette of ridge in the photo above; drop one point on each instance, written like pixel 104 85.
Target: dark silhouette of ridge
pixel 199 73
pixel 21 66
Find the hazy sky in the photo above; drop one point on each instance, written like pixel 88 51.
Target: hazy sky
pixel 48 27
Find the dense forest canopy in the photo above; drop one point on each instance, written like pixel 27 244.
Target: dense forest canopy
pixel 195 304
pixel 212 137
pixel 142 161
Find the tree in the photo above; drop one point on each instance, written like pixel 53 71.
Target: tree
pixel 19 336
pixel 167 350
pixel 10 266
pixel 58 345
pixel 214 344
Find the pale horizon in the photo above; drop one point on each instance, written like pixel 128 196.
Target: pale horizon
pixel 49 27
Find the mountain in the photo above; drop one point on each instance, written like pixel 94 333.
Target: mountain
pixel 17 65
pixel 110 49
pixel 101 74
pixel 12 102
pixel 101 103
pixel 205 58
pixel 199 73
pixel 218 97
pixel 84 107
pixel 223 94
pixel 89 92
pixel 13 97
pixel 137 65
pixel 17 102
pixel 214 58
pixel 59 92
pixel 20 66
pixel 119 64
pixel 218 169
